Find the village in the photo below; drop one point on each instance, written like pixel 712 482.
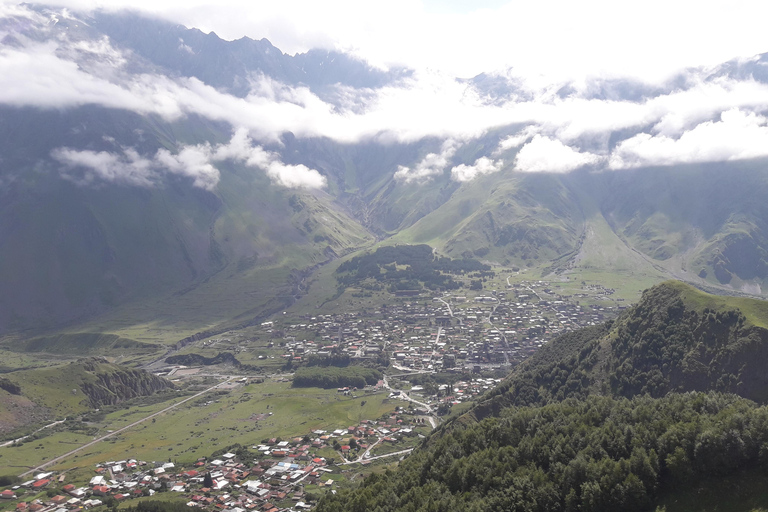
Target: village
pixel 439 352
pixel 448 333
pixel 277 475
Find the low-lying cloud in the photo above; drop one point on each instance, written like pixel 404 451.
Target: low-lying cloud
pixel 482 165
pixel 738 135
pixel 707 118
pixel 543 154
pixel 429 166
pixel 196 162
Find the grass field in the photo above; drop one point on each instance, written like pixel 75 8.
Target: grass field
pixel 204 425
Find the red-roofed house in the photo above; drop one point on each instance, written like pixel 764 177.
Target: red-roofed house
pixel 100 490
pixel 41 483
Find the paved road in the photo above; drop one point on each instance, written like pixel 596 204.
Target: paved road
pixel 95 441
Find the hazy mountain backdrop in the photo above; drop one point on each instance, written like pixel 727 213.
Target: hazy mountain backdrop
pixel 145 162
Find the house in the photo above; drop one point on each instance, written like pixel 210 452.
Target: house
pixel 39 484
pixel 7 495
pixel 100 490
pixel 59 499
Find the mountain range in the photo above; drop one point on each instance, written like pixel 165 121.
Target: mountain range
pixel 172 176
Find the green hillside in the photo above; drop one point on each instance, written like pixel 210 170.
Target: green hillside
pixel 33 396
pixel 620 416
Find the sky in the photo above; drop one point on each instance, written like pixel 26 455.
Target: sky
pixel 545 47
pixel 559 38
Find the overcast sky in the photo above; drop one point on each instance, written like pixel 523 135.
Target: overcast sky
pixel 649 38
pixel 542 45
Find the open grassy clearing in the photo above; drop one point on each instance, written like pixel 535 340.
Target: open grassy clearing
pixel 213 421
pixel 755 310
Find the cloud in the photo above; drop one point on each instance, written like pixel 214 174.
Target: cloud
pixel 194 161
pixel 517 140
pixel 127 168
pixel 191 161
pixel 543 154
pixel 571 39
pixel 482 165
pixel 737 135
pixel 241 148
pixel 429 166
pixel 66 72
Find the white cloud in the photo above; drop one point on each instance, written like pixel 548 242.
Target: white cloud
pixel 517 140
pixel 482 165
pixel 429 166
pixel 127 168
pixel 543 154
pixel 196 162
pixel 738 135
pixel 557 38
pixel 191 161
pixel 241 148
pixel 68 73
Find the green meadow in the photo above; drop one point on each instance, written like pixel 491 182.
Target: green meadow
pixel 201 426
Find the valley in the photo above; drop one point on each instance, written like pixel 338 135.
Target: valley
pixel 238 277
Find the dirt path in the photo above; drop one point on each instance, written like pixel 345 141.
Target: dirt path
pixel 8 443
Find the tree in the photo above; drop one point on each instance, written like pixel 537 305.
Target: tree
pixel 208 480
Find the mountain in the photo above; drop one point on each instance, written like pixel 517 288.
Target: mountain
pixel 175 183
pixel 615 416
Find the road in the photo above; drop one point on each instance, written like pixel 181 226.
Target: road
pixel 401 452
pixel 450 311
pixel 503 337
pixel 116 432
pixel 8 443
pixel 404 396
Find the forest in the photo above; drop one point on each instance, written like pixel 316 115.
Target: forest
pixel 601 453
pixel 422 268
pixel 334 377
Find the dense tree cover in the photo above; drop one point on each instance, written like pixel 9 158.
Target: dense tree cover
pixel 334 377
pixel 667 345
pixel 10 386
pixel 601 453
pixel 334 359
pixel 421 266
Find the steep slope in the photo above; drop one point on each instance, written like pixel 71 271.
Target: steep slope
pixel 73 250
pixel 546 440
pixel 706 221
pixel 676 339
pixel 33 396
